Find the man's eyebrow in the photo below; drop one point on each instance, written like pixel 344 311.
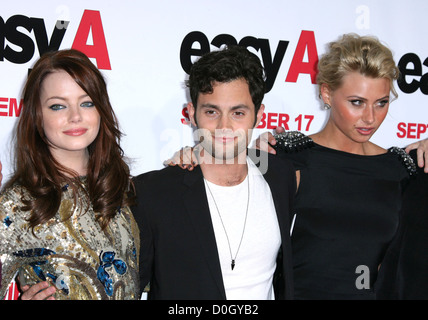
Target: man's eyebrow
pixel 239 106
pixel 213 106
pixel 209 105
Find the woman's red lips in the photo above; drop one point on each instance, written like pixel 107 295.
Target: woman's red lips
pixel 365 131
pixel 75 132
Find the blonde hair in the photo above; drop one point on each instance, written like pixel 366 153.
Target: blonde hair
pixel 354 53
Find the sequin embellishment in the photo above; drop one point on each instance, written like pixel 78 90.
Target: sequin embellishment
pixel 106 261
pixel 292 141
pixel 7 222
pixel 36 252
pixel 66 249
pixel 405 159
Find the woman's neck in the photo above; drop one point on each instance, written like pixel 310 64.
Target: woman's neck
pixel 335 139
pixel 75 161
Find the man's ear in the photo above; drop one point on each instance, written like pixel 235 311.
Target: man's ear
pixel 260 114
pixel 192 113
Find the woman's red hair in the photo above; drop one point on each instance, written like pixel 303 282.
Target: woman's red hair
pixel 108 176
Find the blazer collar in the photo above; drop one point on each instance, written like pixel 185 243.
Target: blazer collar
pixel 196 203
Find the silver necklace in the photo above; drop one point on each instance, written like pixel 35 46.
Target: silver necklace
pixel 233 259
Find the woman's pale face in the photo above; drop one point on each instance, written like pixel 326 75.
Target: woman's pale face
pixel 359 106
pixel 70 120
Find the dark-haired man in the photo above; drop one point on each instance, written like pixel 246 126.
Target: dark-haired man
pixel 221 231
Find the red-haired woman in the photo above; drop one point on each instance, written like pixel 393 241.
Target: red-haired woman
pixel 65 211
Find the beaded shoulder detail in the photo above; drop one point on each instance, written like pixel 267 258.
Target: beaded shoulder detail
pixel 407 160
pixel 292 141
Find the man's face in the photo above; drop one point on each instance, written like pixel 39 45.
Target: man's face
pixel 225 119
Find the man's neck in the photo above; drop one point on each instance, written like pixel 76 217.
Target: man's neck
pixel 225 174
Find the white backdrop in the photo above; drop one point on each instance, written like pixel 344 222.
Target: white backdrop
pixel 140 47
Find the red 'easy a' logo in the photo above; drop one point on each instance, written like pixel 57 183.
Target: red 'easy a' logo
pixel 15 31
pixel 91 20
pixel 306 44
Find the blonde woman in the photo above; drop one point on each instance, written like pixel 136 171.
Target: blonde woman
pixel 349 195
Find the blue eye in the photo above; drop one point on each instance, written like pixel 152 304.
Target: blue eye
pixel 87 104
pixel 56 107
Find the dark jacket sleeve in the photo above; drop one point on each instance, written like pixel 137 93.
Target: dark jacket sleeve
pixel 146 232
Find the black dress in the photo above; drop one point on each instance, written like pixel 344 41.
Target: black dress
pixel 346 214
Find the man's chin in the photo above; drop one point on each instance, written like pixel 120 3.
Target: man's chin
pixel 232 157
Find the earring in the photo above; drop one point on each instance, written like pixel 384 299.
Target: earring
pixel 327 106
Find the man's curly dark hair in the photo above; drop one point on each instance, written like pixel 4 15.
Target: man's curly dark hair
pixel 231 63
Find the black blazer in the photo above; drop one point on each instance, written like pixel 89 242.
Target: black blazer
pixel 178 253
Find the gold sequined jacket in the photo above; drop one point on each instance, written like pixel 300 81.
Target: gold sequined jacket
pixel 83 261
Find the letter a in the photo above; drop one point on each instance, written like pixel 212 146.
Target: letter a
pixel 306 40
pixel 363 281
pixel 92 20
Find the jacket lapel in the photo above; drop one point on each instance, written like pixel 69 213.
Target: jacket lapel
pixel 277 194
pixel 196 203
